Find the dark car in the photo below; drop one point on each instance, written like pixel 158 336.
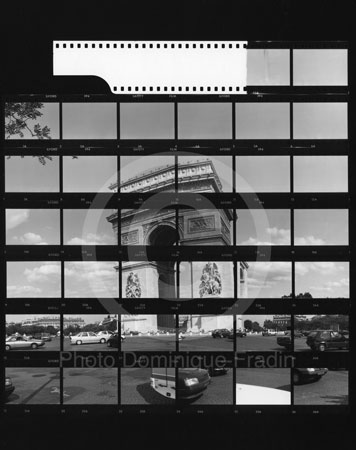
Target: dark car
pixel 46 337
pixel 214 370
pixel 191 383
pixel 285 341
pixel 322 340
pixel 221 333
pixel 301 375
pixel 240 334
pixel 9 387
pixel 113 340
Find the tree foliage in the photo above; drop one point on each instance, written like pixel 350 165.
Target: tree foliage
pixel 19 117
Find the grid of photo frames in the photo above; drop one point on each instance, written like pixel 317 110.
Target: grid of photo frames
pixel 181 253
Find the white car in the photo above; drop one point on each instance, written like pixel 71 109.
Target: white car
pixel 87 337
pixel 247 394
pixel 17 342
pixel 104 334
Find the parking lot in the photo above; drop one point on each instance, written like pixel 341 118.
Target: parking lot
pixel 207 343
pixel 34 386
pixel 90 386
pixel 258 343
pixel 161 342
pixel 331 389
pixel 136 389
pixel 49 346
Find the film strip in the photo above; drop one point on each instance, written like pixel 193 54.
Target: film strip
pixel 175 257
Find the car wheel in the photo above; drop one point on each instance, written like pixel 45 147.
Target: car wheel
pixel 34 346
pixel 78 342
pixel 296 377
pixel 322 347
pixel 102 341
pixel 7 347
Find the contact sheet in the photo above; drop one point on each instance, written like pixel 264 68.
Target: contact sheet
pixel 180 244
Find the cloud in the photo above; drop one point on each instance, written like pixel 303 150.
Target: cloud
pixel 308 240
pixel 91 239
pixel 44 273
pixel 279 236
pixel 320 267
pixel 91 278
pixel 23 291
pixel 15 217
pixel 30 239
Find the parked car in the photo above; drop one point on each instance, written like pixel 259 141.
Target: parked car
pixel 269 333
pixel 9 387
pixel 298 334
pixel 43 336
pixel 285 341
pixel 191 383
pixel 322 340
pixel 302 374
pixel 104 334
pixel 87 337
pixel 113 340
pixel 19 342
pixel 221 333
pixel 240 334
pixel 214 371
pixel 248 394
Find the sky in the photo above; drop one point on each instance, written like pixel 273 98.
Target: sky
pixel 320 173
pixel 33 279
pixel 49 118
pixel 262 174
pixel 268 67
pixel 147 120
pixel 321 227
pixel 322 278
pixel 311 227
pixel 311 67
pixel 42 279
pixel 91 279
pixel 267 279
pixel 204 120
pixel 254 120
pixel 89 173
pixel 263 227
pixel 28 175
pixel 320 120
pixel 89 121
pixel 32 227
pixel 262 121
pixel 320 67
pixel 88 227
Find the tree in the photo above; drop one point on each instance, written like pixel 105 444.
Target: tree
pixel 256 327
pixel 269 325
pixel 18 118
pixel 248 324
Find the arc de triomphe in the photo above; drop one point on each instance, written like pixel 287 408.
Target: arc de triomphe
pixel 157 279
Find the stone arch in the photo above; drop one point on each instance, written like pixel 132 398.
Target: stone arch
pixel 163 233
